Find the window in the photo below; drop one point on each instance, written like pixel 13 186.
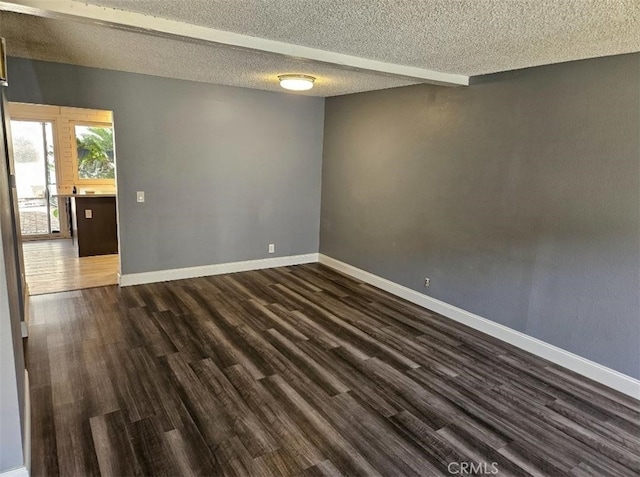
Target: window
pixel 83 141
pixel 95 152
pixel 34 158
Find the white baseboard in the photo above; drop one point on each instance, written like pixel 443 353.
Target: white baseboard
pixel 18 472
pixel 217 269
pixel 601 374
pixel 26 445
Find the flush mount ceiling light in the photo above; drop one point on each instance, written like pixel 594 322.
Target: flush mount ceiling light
pixel 296 82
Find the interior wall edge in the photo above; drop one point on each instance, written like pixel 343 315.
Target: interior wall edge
pixel 585 367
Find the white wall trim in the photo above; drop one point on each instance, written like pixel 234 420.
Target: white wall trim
pixel 26 445
pixel 18 472
pixel 590 369
pixel 160 26
pixel 217 269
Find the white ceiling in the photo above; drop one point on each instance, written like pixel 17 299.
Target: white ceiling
pixel 463 37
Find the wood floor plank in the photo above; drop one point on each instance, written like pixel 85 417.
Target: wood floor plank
pixel 180 333
pixel 369 391
pixel 133 399
pixel 278 463
pixel 611 432
pixel 480 451
pixel 201 403
pixel 74 440
pixel 385 447
pixel 278 322
pixel 253 434
pixel 113 446
pixel 191 455
pixel 301 371
pixel 235 460
pixel 150 448
pixel 325 436
pixel 149 334
pixel 326 314
pixel 168 408
pixel 44 456
pixel 323 469
pixel 275 416
pixel 98 388
pixel 39 359
pixel 324 379
pixel 53 266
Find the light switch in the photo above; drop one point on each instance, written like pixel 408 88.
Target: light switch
pixel 140 196
pixel 88 214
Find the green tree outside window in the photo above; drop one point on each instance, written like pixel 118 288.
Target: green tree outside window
pixel 96 158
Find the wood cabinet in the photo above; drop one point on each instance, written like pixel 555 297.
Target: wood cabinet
pixel 95 228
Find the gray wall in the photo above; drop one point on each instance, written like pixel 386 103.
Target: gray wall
pixel 519 197
pixel 225 170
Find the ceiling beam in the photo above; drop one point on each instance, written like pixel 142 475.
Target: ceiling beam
pixel 70 9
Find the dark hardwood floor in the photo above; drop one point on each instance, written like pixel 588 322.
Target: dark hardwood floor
pixel 302 371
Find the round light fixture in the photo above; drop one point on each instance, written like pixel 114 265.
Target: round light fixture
pixel 296 82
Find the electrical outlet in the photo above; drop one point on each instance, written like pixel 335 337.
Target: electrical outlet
pixel 427 282
pixel 88 214
pixel 272 248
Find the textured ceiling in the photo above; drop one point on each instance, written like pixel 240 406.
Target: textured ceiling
pixel 469 37
pixel 465 37
pixel 67 41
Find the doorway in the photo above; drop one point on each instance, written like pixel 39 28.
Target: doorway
pixel 41 216
pixel 64 161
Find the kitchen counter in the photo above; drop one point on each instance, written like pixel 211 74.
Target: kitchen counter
pixel 102 194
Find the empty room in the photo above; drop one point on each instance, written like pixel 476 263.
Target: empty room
pixel 359 238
